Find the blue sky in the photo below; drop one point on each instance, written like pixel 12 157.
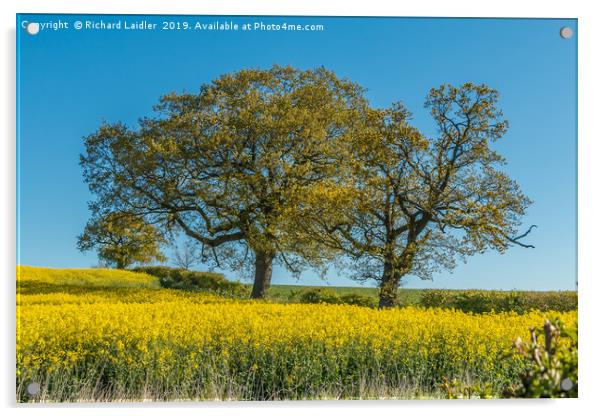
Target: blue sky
pixel 70 80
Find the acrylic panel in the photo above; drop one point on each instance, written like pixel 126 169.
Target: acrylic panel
pixel 295 208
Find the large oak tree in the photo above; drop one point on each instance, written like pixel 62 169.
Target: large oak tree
pixel 416 204
pixel 231 166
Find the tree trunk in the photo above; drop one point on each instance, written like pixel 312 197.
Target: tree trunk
pixel 388 286
pixel 263 274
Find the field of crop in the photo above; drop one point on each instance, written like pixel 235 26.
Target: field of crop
pixel 88 335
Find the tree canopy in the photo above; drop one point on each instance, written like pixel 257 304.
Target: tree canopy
pixel 294 166
pixel 417 204
pixel 122 240
pixel 231 165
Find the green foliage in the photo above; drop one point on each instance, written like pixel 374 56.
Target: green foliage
pixel 292 166
pixel 419 203
pixel 122 239
pixel 290 293
pixel 480 301
pixel 230 166
pixel 456 389
pixel 172 278
pixel 359 300
pixel 551 357
pixel 320 295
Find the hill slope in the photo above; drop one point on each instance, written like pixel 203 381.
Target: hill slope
pixel 85 277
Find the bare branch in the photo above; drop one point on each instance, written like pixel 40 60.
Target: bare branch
pixel 514 240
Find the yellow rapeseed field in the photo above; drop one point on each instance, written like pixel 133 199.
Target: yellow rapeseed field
pixel 127 343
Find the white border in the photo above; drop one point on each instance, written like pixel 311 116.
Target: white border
pixel 589 195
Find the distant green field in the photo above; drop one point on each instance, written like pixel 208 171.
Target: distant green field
pixel 284 293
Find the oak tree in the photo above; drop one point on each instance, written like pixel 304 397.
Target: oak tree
pixel 122 240
pixel 416 204
pixel 230 166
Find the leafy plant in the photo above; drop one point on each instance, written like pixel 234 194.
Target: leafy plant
pixel 455 389
pixel 235 162
pixel 478 301
pixel 173 278
pixel 122 239
pixel 551 362
pixel 321 295
pixel 416 204
pixel 359 300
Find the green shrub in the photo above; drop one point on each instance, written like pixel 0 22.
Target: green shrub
pixel 456 389
pixel 292 296
pixel 436 299
pixel 551 364
pixel 172 278
pixel 477 302
pixel 359 300
pixel 480 301
pixel 321 295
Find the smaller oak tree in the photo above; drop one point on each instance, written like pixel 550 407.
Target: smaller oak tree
pixel 122 240
pixel 416 204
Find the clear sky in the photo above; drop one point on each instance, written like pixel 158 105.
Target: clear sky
pixel 70 80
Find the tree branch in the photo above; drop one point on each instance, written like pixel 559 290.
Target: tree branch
pixel 211 242
pixel 514 240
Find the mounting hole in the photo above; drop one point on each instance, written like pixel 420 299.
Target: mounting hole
pixel 33 28
pixel 566 32
pixel 33 389
pixel 566 384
